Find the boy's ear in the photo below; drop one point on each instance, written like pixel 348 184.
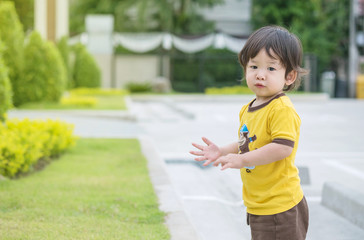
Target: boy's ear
pixel 291 77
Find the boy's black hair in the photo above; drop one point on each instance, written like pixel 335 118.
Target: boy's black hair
pixel 284 44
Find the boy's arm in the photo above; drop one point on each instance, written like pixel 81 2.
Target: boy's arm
pixel 230 148
pixel 267 154
pixel 211 152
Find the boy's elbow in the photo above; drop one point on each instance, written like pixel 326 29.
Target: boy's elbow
pixel 283 151
pixel 286 151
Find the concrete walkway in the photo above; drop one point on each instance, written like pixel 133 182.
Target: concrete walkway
pixel 205 203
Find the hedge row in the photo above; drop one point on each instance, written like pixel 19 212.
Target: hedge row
pixel 5 86
pixel 24 142
pixel 45 76
pixel 11 52
pixel 86 73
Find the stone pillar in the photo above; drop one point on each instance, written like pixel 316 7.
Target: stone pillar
pixel 51 18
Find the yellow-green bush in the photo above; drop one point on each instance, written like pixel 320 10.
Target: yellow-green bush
pixel 45 75
pixel 12 35
pixel 229 90
pixel 86 72
pixel 98 92
pixel 64 50
pixel 5 86
pixel 79 101
pixel 24 142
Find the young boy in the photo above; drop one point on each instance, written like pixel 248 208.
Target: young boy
pixel 268 138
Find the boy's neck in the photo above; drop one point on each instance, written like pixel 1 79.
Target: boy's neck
pixel 260 101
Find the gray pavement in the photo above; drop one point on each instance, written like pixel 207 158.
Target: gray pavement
pixel 205 203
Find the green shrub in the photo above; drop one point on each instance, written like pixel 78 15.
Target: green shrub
pixel 79 101
pixel 98 92
pixel 64 50
pixel 44 72
pixel 229 90
pixel 86 72
pixel 210 68
pixel 135 87
pixel 23 143
pixel 5 87
pixel 12 35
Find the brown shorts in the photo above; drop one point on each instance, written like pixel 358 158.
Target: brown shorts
pixel 289 225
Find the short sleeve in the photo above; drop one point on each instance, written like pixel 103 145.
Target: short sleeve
pixel 284 124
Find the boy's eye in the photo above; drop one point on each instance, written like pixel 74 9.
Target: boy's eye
pixel 253 67
pixel 271 69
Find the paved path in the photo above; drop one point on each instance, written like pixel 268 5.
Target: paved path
pixel 330 148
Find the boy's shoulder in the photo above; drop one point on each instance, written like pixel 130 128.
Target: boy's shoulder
pixel 283 101
pixel 283 106
pixel 280 102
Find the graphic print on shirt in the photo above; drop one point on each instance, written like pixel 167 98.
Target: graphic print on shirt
pixel 244 141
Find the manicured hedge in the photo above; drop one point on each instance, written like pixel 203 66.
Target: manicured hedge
pixel 24 142
pixel 64 50
pixel 45 75
pixel 86 72
pixel 228 90
pixel 5 86
pixel 12 35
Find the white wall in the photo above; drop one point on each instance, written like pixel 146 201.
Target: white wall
pixel 139 69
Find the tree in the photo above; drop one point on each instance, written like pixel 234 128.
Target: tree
pixel 86 72
pixel 178 16
pixel 44 72
pixel 12 35
pixel 25 11
pixel 5 86
pixel 64 50
pixel 322 25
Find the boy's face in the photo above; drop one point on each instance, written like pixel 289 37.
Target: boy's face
pixel 265 76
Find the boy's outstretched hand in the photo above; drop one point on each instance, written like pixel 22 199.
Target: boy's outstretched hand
pixel 209 152
pixel 229 161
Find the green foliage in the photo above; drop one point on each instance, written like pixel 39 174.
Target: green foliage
pixel 228 90
pixel 179 16
pixel 64 50
pixel 135 87
pixel 25 11
pixel 11 33
pixel 23 143
pixel 44 72
pixel 86 71
pixel 5 86
pixel 101 190
pixel 98 92
pixel 79 101
pixel 210 68
pixel 322 25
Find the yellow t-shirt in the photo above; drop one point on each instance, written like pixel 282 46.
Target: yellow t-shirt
pixel 272 188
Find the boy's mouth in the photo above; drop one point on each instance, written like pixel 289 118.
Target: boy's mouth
pixel 259 85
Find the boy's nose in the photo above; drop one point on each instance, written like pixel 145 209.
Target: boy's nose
pixel 260 76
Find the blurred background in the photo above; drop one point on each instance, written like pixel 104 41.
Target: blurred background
pixel 145 44
pixel 93 55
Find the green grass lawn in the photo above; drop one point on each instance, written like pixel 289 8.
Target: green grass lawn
pixel 100 189
pixel 103 103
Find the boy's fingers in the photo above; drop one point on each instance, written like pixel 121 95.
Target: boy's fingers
pixel 216 163
pixel 227 165
pixel 207 163
pixel 197 153
pixel 220 160
pixel 208 142
pixel 197 146
pixel 200 159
